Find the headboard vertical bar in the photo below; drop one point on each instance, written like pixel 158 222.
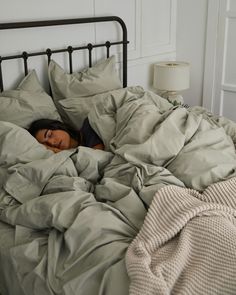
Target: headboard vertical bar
pixel 125 61
pixel 70 50
pixel 90 48
pixel 49 54
pixel 25 58
pixel 1 78
pixel 108 45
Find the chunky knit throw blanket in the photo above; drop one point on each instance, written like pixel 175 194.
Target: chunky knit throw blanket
pixel 187 244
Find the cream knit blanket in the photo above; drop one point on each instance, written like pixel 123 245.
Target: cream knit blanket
pixel 187 244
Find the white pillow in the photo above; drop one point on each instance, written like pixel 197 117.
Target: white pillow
pixel 27 103
pixel 75 110
pixel 98 79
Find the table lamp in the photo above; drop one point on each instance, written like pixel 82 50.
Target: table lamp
pixel 169 78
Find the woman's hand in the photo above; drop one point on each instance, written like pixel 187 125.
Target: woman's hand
pixel 54 149
pixel 99 146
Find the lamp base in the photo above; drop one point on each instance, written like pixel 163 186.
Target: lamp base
pixel 173 97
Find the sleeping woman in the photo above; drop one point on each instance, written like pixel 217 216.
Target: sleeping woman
pixel 58 136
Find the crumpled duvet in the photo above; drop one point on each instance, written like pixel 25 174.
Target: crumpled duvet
pixel 75 213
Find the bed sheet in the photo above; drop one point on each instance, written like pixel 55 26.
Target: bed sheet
pixel 75 213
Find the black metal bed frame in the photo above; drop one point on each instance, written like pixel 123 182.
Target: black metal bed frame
pixel 61 22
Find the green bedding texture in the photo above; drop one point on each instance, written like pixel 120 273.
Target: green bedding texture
pixel 75 213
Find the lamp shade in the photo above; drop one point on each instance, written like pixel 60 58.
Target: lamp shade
pixel 171 76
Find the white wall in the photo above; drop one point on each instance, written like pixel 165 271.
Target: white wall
pixel 190 44
pixel 151 29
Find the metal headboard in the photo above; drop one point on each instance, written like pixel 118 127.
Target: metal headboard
pixel 61 22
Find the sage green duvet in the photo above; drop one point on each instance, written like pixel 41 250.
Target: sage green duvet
pixel 67 219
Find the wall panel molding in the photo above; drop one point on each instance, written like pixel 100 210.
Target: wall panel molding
pixel 151 25
pixel 130 12
pixel 158 27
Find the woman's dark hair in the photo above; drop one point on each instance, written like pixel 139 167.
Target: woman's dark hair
pixel 53 125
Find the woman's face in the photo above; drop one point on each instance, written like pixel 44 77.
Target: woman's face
pixel 58 139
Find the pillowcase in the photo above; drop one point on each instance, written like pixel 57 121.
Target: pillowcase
pixel 27 103
pixel 17 145
pixel 75 110
pixel 98 79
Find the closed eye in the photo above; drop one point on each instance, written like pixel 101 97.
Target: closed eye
pixel 47 134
